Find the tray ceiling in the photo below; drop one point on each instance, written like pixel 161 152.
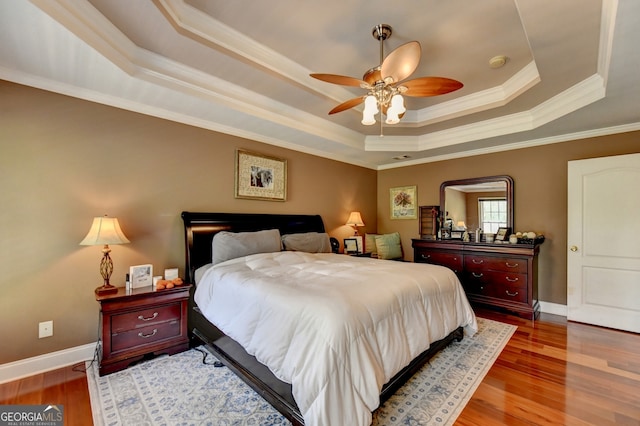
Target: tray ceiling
pixel 242 68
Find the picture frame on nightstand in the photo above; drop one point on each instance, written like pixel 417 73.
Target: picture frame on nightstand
pixel 141 276
pixel 351 246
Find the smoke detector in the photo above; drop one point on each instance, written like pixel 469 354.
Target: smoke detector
pixel 497 61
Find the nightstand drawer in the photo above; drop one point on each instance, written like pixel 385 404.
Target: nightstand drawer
pixel 145 335
pixel 144 318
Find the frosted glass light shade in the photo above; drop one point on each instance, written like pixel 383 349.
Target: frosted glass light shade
pixel 396 108
pixel 370 110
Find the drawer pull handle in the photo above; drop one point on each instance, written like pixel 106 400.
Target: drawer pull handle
pixel 427 256
pixel 477 262
pixel 477 275
pixel 511 280
pixel 511 294
pixel 140 317
pixel 146 336
pixel 511 265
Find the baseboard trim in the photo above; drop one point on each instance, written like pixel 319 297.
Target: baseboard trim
pixel 553 308
pixel 39 364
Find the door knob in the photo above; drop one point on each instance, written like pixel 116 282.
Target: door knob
pixel 574 248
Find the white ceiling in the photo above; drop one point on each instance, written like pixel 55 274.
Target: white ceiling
pixel 242 68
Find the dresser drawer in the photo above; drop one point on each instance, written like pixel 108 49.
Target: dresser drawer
pixel 477 263
pixel 452 261
pixel 144 335
pixel 497 284
pixel 144 318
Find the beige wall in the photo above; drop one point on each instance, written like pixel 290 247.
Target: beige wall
pixel 540 187
pixel 64 161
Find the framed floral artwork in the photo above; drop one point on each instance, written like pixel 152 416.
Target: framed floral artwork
pixel 260 177
pixel 404 202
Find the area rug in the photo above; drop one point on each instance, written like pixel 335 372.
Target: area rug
pixel 186 389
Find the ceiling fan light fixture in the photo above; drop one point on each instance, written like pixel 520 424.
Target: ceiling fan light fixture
pixel 397 104
pixel 386 82
pixel 392 118
pixel 396 108
pixel 370 110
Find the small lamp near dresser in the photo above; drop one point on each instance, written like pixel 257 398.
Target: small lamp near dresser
pixel 355 220
pixel 104 231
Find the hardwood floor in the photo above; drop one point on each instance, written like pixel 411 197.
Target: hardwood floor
pixel 550 373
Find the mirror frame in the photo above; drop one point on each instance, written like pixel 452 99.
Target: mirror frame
pixel 473 181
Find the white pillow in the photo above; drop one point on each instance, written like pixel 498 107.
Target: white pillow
pixel 310 242
pixel 230 245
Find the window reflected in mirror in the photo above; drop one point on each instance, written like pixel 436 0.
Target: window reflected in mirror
pixel 477 203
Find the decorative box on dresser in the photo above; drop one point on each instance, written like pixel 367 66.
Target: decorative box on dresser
pixel 142 322
pixel 498 275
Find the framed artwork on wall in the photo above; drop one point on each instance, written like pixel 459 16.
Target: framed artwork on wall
pixel 404 202
pixel 260 177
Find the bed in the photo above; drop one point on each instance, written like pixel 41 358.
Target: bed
pixel 321 400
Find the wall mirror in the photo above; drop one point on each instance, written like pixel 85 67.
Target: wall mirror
pixel 485 202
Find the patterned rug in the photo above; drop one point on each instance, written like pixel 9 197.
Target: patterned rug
pixel 186 389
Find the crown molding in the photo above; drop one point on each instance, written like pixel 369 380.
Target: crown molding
pixel 567 137
pixel 572 99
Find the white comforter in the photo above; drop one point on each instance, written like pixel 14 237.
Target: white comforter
pixel 336 327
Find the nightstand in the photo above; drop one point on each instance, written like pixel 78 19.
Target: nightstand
pixel 140 323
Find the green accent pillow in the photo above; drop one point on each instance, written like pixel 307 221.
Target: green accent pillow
pixel 388 246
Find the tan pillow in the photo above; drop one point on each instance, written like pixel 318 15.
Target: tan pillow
pixel 310 242
pixel 230 245
pixel 370 243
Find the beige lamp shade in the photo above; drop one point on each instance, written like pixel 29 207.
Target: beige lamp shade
pixel 355 219
pixel 104 230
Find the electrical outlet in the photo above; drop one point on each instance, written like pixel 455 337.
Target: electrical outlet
pixel 45 329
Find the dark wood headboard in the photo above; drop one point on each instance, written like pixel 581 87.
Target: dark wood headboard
pixel 199 229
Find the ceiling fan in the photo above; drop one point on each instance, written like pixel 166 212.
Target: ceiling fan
pixel 385 83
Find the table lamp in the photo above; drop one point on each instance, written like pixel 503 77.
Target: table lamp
pixel 355 220
pixel 104 231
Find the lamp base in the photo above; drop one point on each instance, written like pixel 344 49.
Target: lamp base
pixel 106 289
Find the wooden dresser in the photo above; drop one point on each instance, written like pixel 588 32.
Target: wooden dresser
pixel 498 275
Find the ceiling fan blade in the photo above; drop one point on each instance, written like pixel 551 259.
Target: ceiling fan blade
pixel 429 86
pixel 348 104
pixel 402 62
pixel 339 79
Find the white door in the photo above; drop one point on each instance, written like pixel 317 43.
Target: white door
pixel 603 258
